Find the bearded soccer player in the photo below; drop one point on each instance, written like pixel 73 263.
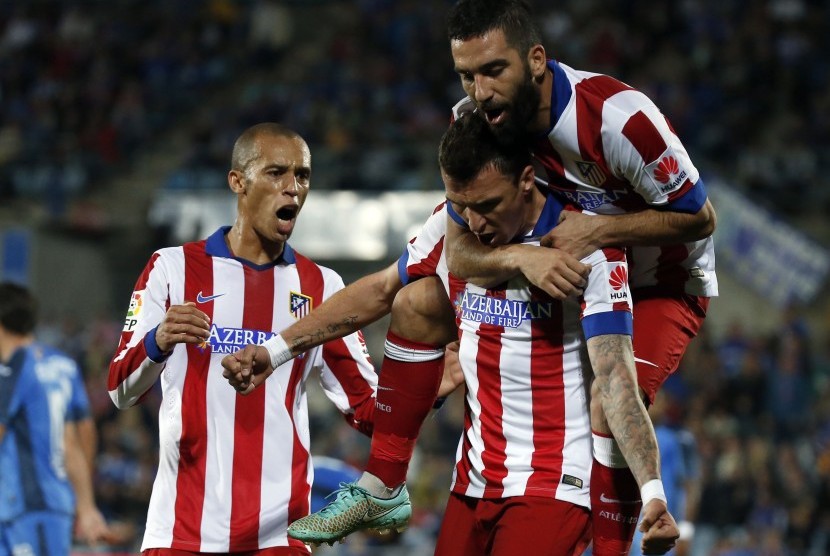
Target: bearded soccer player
pixel 234 471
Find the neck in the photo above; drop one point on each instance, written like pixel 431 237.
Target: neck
pixel 245 243
pixel 10 343
pixel 542 121
pixel 534 209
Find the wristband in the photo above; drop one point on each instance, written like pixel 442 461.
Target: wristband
pixel 651 490
pixel 278 351
pixel 687 530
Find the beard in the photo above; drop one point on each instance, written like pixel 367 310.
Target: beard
pixel 521 112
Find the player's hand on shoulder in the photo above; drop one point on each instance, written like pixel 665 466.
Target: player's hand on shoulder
pixel 247 368
pixel 556 272
pixel 575 233
pixel 660 532
pixel 182 324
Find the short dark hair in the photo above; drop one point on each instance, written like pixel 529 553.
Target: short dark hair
pixel 474 18
pixel 244 149
pixel 18 309
pixel 469 145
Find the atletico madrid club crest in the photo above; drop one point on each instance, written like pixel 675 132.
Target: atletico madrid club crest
pixel 590 172
pixel 300 305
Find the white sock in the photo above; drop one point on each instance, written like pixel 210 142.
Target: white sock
pixel 376 488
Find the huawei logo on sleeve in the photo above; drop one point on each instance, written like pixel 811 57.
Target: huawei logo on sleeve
pixel 618 278
pixel 666 168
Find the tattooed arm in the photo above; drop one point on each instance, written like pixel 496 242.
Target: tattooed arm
pixel 346 311
pixel 621 412
pixel 615 385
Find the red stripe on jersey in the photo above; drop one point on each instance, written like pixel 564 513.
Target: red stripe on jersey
pixel 311 284
pixel 670 270
pixel 614 254
pixel 646 138
pixel 551 160
pixel 428 265
pixel 489 396
pixel 464 465
pixel 548 395
pixel 249 422
pixel 120 370
pixel 190 479
pixel 591 95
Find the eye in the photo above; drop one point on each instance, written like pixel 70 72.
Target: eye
pixel 466 77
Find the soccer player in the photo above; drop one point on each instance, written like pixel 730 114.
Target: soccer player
pixel 45 479
pixel 234 470
pixel 607 148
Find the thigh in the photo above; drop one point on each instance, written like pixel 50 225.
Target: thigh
pixel 663 328
pixel 538 525
pixel 39 534
pixel 460 534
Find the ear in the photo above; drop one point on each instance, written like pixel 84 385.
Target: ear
pixel 527 179
pixel 236 181
pixel 537 61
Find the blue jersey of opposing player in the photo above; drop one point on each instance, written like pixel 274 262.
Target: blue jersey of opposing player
pixel 40 389
pixel 678 466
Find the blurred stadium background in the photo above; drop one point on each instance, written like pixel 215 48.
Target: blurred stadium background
pixel 117 118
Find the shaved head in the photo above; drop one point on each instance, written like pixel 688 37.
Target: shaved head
pixel 247 149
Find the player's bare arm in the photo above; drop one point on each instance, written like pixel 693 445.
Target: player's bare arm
pixel 580 234
pixel 182 324
pixel 554 271
pixel 348 310
pixel 90 524
pixel 615 381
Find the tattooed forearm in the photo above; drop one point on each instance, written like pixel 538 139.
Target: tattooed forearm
pixel 320 336
pixel 616 384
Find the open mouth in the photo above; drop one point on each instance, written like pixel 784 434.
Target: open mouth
pixel 495 116
pixel 288 212
pixel 486 239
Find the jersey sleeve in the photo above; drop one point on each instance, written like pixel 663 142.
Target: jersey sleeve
pixel 138 361
pixel 78 407
pixel 649 155
pixel 606 301
pixel 347 374
pixel 424 254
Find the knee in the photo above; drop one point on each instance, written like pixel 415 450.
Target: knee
pixel 421 311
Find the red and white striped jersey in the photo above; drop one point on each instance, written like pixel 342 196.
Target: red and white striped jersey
pixel 527 427
pixel 424 254
pixel 234 470
pixel 610 150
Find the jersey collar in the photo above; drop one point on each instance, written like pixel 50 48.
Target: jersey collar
pixel 560 93
pixel 215 246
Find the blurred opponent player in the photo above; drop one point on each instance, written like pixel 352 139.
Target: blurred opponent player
pixel 45 480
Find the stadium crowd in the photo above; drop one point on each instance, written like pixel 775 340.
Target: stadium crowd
pixel 86 86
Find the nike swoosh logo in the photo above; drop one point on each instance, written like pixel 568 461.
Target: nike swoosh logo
pixel 602 498
pixel 638 360
pixel 370 517
pixel 205 298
